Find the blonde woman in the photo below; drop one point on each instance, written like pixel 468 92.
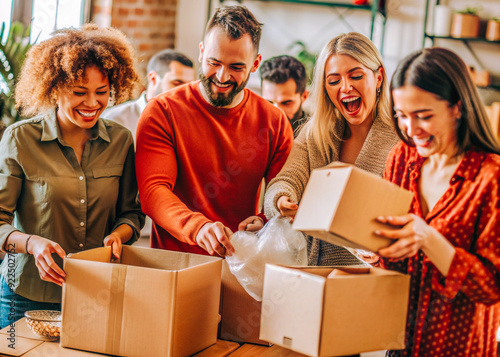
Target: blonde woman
pixel 351 122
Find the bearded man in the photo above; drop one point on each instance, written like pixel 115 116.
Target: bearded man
pixel 204 148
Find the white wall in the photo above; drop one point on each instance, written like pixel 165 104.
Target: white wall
pixel 285 23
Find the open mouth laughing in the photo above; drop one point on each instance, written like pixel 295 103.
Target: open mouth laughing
pixel 351 104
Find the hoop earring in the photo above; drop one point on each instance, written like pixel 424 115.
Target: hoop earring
pixel 378 91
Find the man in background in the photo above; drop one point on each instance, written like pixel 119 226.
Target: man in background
pixel 284 80
pixel 167 69
pixel 204 148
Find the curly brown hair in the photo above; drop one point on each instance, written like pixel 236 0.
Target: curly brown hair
pixel 60 62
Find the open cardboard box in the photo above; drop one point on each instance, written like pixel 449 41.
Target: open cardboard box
pixel 341 203
pixel 240 313
pixel 151 303
pixel 328 311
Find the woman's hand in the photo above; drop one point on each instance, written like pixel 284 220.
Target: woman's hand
pixel 114 241
pixel 214 238
pixel 368 257
pixel 411 237
pixel 42 249
pixel 416 234
pixel 286 207
pixel 251 224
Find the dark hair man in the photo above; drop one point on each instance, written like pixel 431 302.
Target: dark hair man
pixel 284 80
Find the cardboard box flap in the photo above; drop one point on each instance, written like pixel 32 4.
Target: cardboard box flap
pixel 161 259
pixel 349 271
pixel 240 313
pixel 281 287
pixel 97 255
pixel 95 313
pixel 371 305
pixel 315 196
pixel 190 305
pixel 162 288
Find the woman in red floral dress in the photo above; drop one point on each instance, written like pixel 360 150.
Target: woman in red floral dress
pixel 449 243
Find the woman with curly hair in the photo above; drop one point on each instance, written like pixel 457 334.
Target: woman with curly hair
pixel 67 176
pixel 351 123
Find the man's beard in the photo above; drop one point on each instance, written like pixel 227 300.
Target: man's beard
pixel 221 99
pixel 298 115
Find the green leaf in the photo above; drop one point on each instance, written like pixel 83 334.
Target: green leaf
pixel 12 54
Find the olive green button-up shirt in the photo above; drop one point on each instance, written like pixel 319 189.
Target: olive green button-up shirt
pixel 51 195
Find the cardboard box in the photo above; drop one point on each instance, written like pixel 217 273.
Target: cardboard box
pixel 323 311
pixel 151 303
pixel 240 313
pixel 341 203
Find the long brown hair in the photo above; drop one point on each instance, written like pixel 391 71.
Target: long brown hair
pixel 443 73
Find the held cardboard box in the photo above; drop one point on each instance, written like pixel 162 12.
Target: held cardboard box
pixel 341 203
pixel 323 311
pixel 240 313
pixel 151 303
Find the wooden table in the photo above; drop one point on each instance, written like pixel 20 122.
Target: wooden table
pixel 29 345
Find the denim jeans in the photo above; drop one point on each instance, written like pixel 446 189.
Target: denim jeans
pixel 13 306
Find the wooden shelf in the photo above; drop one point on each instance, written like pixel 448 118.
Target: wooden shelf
pixel 376 7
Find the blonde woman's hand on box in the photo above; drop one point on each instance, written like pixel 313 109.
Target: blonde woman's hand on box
pixel 286 207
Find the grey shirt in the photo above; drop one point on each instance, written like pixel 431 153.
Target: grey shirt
pixel 55 197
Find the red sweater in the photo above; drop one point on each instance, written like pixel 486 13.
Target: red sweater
pixel 197 163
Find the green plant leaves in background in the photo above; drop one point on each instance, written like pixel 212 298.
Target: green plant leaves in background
pixel 307 58
pixel 12 54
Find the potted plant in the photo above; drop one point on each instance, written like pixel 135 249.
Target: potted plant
pixel 305 56
pixel 12 55
pixel 493 29
pixel 465 23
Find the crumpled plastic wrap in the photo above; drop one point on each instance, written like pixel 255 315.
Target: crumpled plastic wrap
pixel 275 243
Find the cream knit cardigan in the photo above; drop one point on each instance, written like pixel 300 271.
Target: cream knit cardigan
pixel 305 157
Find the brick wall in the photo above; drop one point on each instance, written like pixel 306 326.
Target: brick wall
pixel 149 24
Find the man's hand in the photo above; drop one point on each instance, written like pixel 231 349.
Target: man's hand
pixel 214 238
pixel 251 224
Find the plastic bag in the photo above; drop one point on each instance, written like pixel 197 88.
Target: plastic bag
pixel 275 243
